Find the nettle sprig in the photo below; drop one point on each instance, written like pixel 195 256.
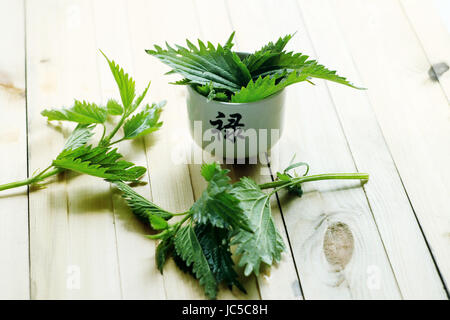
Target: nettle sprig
pixel 221 74
pixel 225 215
pixel 101 160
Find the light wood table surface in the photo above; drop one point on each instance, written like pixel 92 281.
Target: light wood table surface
pixel 387 239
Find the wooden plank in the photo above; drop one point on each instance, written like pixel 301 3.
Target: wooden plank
pixel 280 281
pixel 169 179
pixel 412 111
pixel 14 273
pixel 140 278
pixel 433 36
pixel 388 200
pixel 331 215
pixel 443 8
pixel 73 246
pixel 214 26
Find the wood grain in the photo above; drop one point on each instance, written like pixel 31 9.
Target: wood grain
pixel 434 39
pixel 14 273
pixel 73 245
pixel 412 110
pixel 75 238
pixel 169 174
pixel 280 281
pixel 313 132
pixel 387 198
pixel 140 279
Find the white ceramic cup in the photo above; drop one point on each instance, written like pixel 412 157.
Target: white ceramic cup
pixel 235 130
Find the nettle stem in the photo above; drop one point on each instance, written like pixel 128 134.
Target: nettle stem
pixel 40 177
pixel 316 177
pixel 116 128
pixel 46 173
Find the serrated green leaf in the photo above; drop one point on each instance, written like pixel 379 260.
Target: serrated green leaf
pixel 188 248
pixel 266 54
pixel 181 264
pixel 157 222
pixel 144 122
pixel 262 88
pixel 79 136
pixel 124 82
pixel 205 64
pixel 215 243
pixel 163 250
pixel 139 100
pixel 212 172
pixel 140 206
pixel 210 92
pixel 229 44
pixel 265 243
pixel 285 63
pixel 217 205
pixel 181 82
pixel 267 86
pixel 281 63
pixel 114 108
pixel 81 112
pixel 101 162
pixel 219 74
pixel 274 83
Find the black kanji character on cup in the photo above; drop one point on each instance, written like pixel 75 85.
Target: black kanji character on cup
pixel 233 127
pixel 218 124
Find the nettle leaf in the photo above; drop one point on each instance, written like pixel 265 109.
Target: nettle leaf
pixel 264 244
pixel 189 249
pixel 229 44
pixel 216 204
pixel 220 74
pixel 271 84
pixel 144 122
pixel 211 93
pixel 315 70
pixel 124 82
pixel 139 100
pixel 163 251
pixel 215 243
pixel 263 88
pixel 282 63
pixel 157 222
pixel 140 206
pixel 114 108
pixel 181 82
pixel 256 60
pixel 79 136
pixel 205 64
pixel 101 162
pixel 81 112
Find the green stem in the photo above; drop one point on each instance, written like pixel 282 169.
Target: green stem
pixel 117 141
pixel 114 131
pixel 316 177
pixel 104 132
pixel 41 176
pixel 44 174
pixel 186 217
pixel 181 213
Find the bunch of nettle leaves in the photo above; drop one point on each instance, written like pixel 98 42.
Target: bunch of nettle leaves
pixel 225 215
pixel 221 74
pixel 101 160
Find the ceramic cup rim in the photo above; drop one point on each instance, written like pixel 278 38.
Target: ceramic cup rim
pixel 233 104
